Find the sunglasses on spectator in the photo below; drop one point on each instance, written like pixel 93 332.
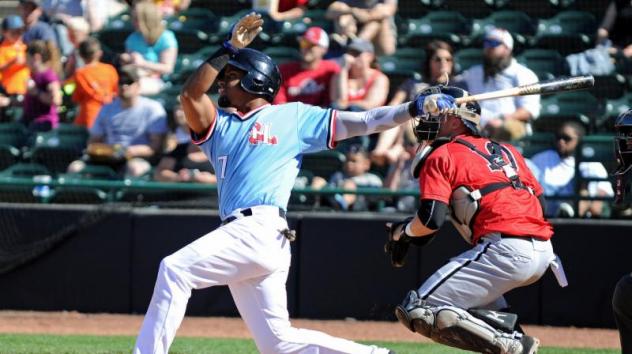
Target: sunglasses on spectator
pixel 440 59
pixel 565 137
pixel 354 53
pixel 491 43
pixel 305 44
pixel 126 82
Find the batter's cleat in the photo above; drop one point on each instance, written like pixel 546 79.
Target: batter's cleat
pixel 529 344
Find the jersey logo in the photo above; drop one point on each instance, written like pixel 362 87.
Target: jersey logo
pixel 306 87
pixel 499 157
pixel 260 134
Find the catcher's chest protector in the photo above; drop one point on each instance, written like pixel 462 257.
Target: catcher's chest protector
pixel 465 201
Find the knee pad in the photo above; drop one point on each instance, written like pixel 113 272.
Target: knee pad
pixel 455 327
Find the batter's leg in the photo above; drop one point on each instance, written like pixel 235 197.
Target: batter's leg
pixel 262 303
pixel 208 261
pixel 622 309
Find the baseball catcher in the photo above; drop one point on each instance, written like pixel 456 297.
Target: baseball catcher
pixel 486 190
pixel 621 306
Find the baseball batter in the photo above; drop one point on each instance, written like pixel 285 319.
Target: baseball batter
pixel 496 204
pixel 256 151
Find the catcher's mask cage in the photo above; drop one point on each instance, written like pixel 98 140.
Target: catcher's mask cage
pixel 426 126
pixel 623 142
pixel 262 76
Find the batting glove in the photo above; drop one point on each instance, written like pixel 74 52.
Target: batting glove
pixel 432 104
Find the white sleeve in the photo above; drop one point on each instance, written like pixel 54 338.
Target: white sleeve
pixel 350 124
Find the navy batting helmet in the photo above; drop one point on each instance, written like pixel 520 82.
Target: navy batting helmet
pixel 262 77
pixel 428 125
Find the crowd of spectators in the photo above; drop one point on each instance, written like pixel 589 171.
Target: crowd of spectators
pixel 50 57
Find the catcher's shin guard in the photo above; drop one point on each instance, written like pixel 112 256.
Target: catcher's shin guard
pixel 456 327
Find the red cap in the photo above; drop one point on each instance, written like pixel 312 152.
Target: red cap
pixel 317 36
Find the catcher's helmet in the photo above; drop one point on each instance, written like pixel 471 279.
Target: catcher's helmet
pixel 262 77
pixel 623 141
pixel 427 125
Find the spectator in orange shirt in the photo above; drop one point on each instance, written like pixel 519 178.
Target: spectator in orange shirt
pixel 13 70
pixel 97 83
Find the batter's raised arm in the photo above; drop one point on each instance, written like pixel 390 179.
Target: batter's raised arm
pixel 350 124
pixel 198 108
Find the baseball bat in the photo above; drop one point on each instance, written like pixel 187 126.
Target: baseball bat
pixel 539 88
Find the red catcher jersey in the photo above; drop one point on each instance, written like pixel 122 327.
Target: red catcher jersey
pixel 508 210
pixel 307 86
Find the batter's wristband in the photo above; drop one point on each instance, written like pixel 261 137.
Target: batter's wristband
pixel 230 47
pixel 219 59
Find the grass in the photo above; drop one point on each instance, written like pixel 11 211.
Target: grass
pixel 75 344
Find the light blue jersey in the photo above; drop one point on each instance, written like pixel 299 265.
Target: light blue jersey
pixel 257 156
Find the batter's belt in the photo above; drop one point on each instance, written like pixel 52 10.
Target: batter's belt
pixel 287 233
pixel 247 212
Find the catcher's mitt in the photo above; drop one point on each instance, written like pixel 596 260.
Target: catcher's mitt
pixel 398 249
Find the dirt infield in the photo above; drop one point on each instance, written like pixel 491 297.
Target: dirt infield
pixel 108 324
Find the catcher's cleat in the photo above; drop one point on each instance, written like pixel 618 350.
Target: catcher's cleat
pixel 403 317
pixel 529 344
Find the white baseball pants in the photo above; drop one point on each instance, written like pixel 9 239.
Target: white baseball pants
pixel 479 277
pixel 252 258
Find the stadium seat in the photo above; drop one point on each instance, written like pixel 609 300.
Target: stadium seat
pixel 449 26
pixel 568 32
pixel 580 106
pixel 324 163
pixel 9 155
pixel 519 24
pixel 191 40
pixel 113 38
pixel 546 63
pixel 302 201
pixel 282 55
pixel 55 150
pixel 288 31
pixel 534 8
pixel 24 194
pixel 13 134
pixel 609 86
pixel 535 143
pixel 600 148
pixel 78 195
pixel 399 69
pixel 90 171
pixel 471 8
pixel 614 107
pixel 466 58
pixel 223 7
pixel 418 8
pixel 72 131
pixel 188 63
pixel 207 22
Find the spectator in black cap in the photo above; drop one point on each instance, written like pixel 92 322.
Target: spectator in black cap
pixel 128 134
pixel 359 85
pixel 31 11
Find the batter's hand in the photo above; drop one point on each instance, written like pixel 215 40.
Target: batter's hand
pixel 434 104
pixel 246 30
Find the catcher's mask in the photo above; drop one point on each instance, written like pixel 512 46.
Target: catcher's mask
pixel 426 126
pixel 623 142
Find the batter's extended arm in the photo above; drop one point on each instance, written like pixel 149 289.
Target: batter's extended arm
pixel 350 124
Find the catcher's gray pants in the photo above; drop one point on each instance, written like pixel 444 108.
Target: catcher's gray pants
pixel 479 277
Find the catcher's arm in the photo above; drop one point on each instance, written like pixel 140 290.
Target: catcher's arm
pixel 418 230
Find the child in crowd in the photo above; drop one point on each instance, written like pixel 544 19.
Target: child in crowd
pixel 96 83
pixel 355 174
pixel 14 74
pixel 43 94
